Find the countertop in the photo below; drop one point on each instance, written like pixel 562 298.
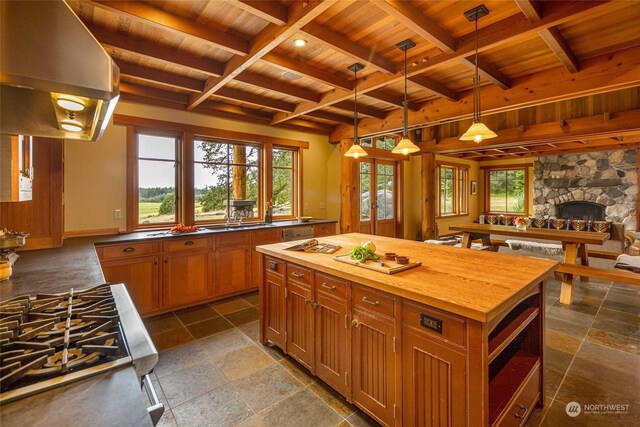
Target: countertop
pixel 475 284
pixel 208 231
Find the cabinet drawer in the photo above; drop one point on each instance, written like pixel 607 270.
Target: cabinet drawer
pixel 175 245
pixel 450 328
pixel 299 274
pixel 234 238
pixel 331 286
pixel 520 407
pixel 126 250
pixel 274 266
pixel 373 300
pixel 320 230
pixel 266 236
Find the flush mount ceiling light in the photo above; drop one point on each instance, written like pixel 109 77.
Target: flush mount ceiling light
pixel 71 125
pixel 299 42
pixel 478 130
pixel 355 150
pixel 70 103
pixel 405 146
pixel 291 76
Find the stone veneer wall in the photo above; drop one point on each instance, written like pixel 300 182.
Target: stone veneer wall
pixel 605 177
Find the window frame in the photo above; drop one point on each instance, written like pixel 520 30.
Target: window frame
pixel 296 183
pixel 487 186
pixel 460 204
pixel 185 189
pixel 134 214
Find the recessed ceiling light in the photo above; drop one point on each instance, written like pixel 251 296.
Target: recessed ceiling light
pixel 291 76
pixel 299 42
pixel 71 125
pixel 70 103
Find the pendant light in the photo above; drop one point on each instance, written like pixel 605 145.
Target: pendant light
pixel 405 146
pixel 478 130
pixel 356 150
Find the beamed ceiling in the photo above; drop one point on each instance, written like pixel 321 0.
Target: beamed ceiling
pixel 235 59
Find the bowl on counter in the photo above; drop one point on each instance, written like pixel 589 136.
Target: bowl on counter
pixel 390 256
pixel 400 259
pixel 304 218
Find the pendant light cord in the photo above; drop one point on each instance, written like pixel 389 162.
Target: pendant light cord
pixel 355 106
pixel 476 82
pixel 405 104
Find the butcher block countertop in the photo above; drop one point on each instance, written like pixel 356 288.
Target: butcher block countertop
pixel 479 285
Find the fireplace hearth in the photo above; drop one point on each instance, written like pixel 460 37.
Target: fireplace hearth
pixel 588 211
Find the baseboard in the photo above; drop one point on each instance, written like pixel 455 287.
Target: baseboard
pixel 94 232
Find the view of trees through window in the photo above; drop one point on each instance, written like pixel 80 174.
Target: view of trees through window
pixel 453 184
pixel 226 180
pixel 283 176
pixel 506 190
pixel 446 190
pixel 156 179
pixel 382 142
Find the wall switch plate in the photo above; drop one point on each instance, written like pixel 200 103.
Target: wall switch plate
pixel 117 214
pixel 306 206
pixel 321 205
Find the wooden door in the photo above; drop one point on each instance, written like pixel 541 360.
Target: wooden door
pixel 274 310
pixel 299 339
pixel 185 277
pixel 378 197
pixel 232 269
pixel 373 365
pixel 140 276
pixel 331 341
pixel 433 383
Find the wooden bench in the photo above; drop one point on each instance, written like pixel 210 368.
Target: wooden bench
pixel 592 253
pixel 615 275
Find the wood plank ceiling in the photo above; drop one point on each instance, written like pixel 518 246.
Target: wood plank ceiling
pixel 236 59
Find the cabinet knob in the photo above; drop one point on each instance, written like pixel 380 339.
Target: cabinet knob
pixel 355 322
pixel 188 243
pixel 128 249
pixel 315 305
pixel 522 411
pixel 166 260
pixel 307 301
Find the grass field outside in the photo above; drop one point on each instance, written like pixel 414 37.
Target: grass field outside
pixel 498 203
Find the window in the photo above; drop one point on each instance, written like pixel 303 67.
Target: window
pixel 381 142
pixel 283 193
pixel 453 182
pixel 507 190
pixel 157 179
pixel 226 180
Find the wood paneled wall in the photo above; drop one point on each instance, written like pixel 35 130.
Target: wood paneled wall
pixel 42 216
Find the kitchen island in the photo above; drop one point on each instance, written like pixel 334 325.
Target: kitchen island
pixel 457 340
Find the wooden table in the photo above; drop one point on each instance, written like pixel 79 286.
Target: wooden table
pixel 573 242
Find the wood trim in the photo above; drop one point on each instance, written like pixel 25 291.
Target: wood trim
pixel 349 212
pixel 187 184
pixel 56 180
pixel 91 232
pixel 458 165
pixel 507 166
pixel 120 119
pixel 273 12
pixel 560 48
pixel 487 71
pixel 527 195
pixel 299 181
pixel 436 88
pixel 132 179
pixel 429 198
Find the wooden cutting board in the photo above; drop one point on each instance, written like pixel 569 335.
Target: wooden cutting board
pixel 389 267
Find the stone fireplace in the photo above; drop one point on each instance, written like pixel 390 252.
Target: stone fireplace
pixel 608 178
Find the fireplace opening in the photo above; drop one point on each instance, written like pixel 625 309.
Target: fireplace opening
pixel 588 211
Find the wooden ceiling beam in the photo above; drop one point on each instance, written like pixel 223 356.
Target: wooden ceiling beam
pixel 156 51
pixel 363 109
pixel 608 72
pixel 560 48
pixel 532 10
pixel 487 71
pixel 356 51
pixel 309 71
pixel 271 11
pixel 491 36
pixel 434 87
pixel 304 124
pixel 159 76
pixel 412 18
pixel 153 93
pixel 390 99
pixel 263 43
pixel 180 26
pixel 253 99
pixel 587 128
pixel 268 83
pixel 331 116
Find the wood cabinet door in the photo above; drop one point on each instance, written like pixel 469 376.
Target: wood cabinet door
pixel 300 323
pixel 261 237
pixel 185 277
pixel 140 276
pixel 373 368
pixel 331 341
pixel 433 383
pixel 274 309
pixel 232 269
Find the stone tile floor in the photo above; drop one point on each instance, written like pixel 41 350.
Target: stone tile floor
pixel 213 372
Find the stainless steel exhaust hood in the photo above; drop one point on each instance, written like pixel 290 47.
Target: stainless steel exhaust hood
pixel 56 80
